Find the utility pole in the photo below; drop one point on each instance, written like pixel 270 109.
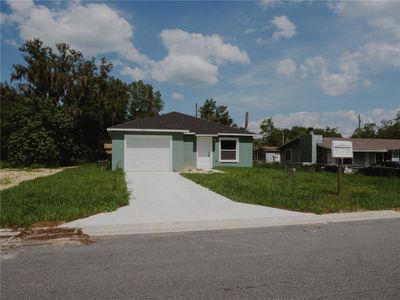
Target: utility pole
pixel 359 121
pixel 196 110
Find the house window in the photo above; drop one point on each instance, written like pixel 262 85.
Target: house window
pixel 228 150
pixel 288 154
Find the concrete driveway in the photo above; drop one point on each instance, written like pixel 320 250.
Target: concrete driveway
pixel 166 201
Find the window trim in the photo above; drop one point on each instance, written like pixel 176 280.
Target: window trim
pixel 236 150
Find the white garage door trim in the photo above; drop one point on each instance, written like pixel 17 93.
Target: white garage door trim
pixel 147 137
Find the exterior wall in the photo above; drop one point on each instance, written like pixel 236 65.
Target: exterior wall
pixel 396 156
pixel 245 152
pixel 315 139
pixel 189 151
pixel 304 149
pixel 324 156
pixel 117 155
pixel 177 152
pixel 271 157
pixel 296 149
pixel 183 150
pixel 118 148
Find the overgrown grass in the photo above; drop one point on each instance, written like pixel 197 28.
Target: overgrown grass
pixel 302 191
pixel 71 194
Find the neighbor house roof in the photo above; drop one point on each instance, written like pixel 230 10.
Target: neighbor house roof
pixel 365 145
pixel 270 149
pixel 179 122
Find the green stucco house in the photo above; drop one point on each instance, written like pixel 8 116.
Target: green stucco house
pixel 175 142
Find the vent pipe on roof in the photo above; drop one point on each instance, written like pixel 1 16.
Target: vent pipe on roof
pixel 246 120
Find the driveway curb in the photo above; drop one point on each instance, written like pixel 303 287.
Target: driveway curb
pixel 148 228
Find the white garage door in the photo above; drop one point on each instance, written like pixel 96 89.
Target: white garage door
pixel 147 153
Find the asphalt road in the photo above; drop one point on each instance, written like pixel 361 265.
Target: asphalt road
pixel 356 260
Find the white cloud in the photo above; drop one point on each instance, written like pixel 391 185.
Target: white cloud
pixel 177 96
pixel 352 67
pixel 390 25
pixel 12 43
pixel 285 28
pixel 91 28
pixel 250 30
pixel 382 52
pixel 333 84
pixel 265 4
pixel 135 73
pixel 345 120
pixel 367 82
pixel 286 67
pixel 193 58
pixel 365 9
pixel 95 29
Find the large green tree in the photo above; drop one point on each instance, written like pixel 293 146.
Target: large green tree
pixel 271 135
pixel 217 113
pixel 390 129
pixel 369 130
pixel 143 101
pixel 59 104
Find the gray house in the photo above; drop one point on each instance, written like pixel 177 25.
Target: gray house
pixel 175 141
pixel 316 149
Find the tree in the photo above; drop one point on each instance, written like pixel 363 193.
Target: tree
pixel 369 130
pixel 271 135
pixel 11 103
pixel 143 101
pixel 217 113
pixel 116 102
pixel 328 132
pixel 390 129
pixel 65 96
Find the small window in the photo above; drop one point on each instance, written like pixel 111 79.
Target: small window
pixel 229 150
pixel 288 154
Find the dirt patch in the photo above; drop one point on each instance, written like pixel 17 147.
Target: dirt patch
pixel 49 234
pixel 12 241
pixel 13 177
pixel 201 171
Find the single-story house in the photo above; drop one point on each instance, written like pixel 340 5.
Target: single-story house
pixel 272 155
pixel 316 149
pixel 268 154
pixel 176 141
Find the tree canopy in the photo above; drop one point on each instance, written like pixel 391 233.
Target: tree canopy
pixel 388 129
pixel 217 113
pixel 143 102
pixel 59 104
pixel 273 136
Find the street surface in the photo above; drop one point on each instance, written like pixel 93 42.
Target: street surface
pixel 353 260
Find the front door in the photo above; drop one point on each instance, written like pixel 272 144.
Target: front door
pixel 204 153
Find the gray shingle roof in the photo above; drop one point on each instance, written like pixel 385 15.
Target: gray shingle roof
pixel 365 144
pixel 179 121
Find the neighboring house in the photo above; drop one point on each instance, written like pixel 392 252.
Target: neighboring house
pixel 175 141
pixel 267 154
pixel 272 155
pixel 316 149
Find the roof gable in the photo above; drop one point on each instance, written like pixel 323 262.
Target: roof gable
pixel 180 122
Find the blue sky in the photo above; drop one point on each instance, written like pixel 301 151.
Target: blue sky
pixel 301 63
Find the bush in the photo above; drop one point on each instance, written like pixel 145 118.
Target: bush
pixel 380 171
pixel 32 145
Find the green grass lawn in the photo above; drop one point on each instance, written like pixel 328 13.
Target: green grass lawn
pixel 302 191
pixel 71 194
